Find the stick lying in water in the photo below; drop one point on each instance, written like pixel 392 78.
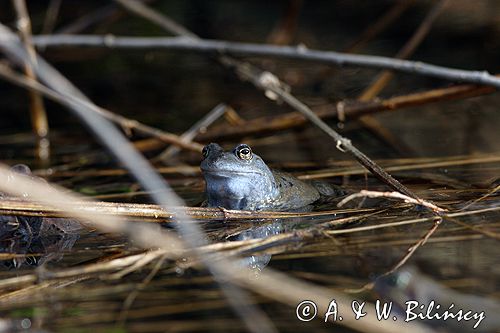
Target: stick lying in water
pixel 153 212
pixel 394 195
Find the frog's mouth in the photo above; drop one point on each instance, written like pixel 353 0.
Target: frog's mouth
pixel 229 173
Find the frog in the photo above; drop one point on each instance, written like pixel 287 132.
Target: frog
pixel 240 180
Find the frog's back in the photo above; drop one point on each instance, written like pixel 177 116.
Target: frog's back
pixel 294 193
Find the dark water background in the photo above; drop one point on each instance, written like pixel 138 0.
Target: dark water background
pixel 172 90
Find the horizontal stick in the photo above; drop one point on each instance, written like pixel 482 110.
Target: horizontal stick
pixel 148 211
pixel 249 49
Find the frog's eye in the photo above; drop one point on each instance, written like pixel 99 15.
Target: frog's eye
pixel 205 152
pixel 244 152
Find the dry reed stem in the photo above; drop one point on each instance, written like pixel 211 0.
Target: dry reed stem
pixel 51 16
pixel 383 78
pixel 26 293
pixel 393 195
pixel 411 221
pixel 148 257
pixel 478 229
pixel 409 253
pixel 454 161
pixel 12 206
pixel 285 28
pixel 38 114
pixel 86 270
pixel 398 8
pixel 127 304
pixel 491 192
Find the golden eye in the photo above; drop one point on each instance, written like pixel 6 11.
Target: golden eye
pixel 205 152
pixel 244 152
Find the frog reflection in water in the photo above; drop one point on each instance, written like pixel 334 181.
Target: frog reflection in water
pixel 241 180
pixel 24 235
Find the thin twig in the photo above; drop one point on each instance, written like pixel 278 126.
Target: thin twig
pixel 490 192
pixel 198 127
pixel 383 78
pixel 86 21
pixel 166 23
pixel 127 304
pixel 51 16
pixel 393 195
pixel 285 29
pixel 263 50
pixel 406 51
pixel 343 144
pixel 149 212
pixel 397 9
pixel 411 250
pixel 412 221
pixel 39 120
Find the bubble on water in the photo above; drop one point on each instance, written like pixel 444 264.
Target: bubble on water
pixel 179 270
pixel 26 323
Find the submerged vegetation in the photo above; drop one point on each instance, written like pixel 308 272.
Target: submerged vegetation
pixel 108 233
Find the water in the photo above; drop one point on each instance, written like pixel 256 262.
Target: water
pixel 450 157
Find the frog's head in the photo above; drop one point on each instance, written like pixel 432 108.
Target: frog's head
pixel 235 178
